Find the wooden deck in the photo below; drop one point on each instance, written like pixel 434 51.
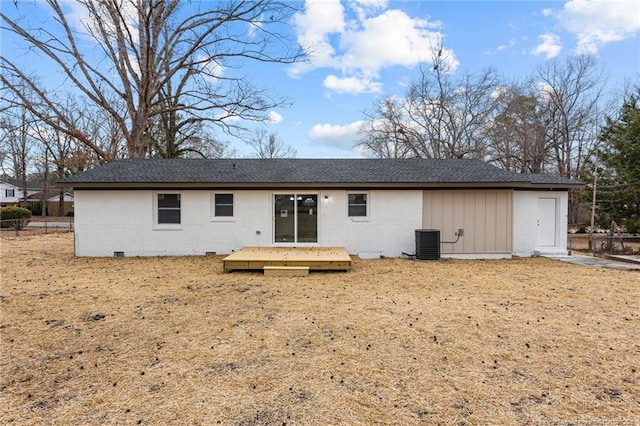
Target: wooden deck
pixel 315 258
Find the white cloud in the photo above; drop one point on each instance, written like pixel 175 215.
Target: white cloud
pixel 372 4
pixel 511 43
pixel 547 12
pixel 228 118
pixel 321 19
pixel 549 46
pixel 508 45
pixel 353 85
pixel 362 8
pixel 344 137
pixel 361 43
pixel 213 71
pixel 596 23
pixel 274 117
pixel 544 90
pixel 254 26
pixel 75 13
pixel 79 17
pixel 404 81
pixel 391 38
pixel 499 92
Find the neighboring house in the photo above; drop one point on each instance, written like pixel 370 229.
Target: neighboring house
pixel 369 206
pixel 52 199
pixel 12 191
pixel 9 194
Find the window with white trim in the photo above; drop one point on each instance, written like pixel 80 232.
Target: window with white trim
pixel 168 209
pixel 223 205
pixel 357 204
pixel 9 192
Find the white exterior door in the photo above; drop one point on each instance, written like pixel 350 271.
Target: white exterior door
pixel 547 222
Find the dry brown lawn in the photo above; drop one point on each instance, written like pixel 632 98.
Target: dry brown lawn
pixel 178 341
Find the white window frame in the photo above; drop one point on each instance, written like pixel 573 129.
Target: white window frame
pixel 365 218
pixel 166 226
pixel 10 193
pixel 215 218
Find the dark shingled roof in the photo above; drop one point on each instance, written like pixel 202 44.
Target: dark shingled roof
pixel 31 186
pixel 315 172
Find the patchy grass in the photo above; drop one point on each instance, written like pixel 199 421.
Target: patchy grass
pixel 176 340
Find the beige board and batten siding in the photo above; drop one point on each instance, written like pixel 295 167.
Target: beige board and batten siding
pixel 485 216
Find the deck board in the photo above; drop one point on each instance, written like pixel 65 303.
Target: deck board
pixel 315 258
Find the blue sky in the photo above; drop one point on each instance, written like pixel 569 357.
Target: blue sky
pixel 363 50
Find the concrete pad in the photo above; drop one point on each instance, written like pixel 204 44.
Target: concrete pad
pixel 625 258
pixel 37 224
pixel 582 259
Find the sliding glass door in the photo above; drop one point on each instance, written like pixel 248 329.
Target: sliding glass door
pixel 307 218
pixel 296 218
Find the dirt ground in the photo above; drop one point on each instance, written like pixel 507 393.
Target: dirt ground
pixel 178 341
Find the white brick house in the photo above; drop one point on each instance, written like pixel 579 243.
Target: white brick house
pixel 369 206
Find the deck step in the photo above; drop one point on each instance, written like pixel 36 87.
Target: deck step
pixel 286 271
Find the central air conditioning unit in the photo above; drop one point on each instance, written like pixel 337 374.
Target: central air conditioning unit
pixel 428 244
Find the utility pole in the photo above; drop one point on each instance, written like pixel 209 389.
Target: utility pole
pixel 593 210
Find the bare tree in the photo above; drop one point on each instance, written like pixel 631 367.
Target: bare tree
pixel 571 94
pixel 102 128
pixel 18 145
pixel 439 117
pixel 518 132
pixel 57 151
pixel 173 136
pixel 156 60
pixel 268 145
pixel 386 130
pixel 199 143
pixel 208 146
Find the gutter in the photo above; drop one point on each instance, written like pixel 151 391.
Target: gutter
pixel 315 185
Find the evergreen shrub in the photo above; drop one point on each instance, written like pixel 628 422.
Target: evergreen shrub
pixel 14 217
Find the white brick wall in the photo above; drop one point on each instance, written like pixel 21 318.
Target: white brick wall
pixel 525 218
pixel 394 215
pixel 110 221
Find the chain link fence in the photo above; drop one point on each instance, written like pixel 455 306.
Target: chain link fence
pixel 31 226
pixel 605 244
pixel 610 244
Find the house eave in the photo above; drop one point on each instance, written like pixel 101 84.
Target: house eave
pixel 313 185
